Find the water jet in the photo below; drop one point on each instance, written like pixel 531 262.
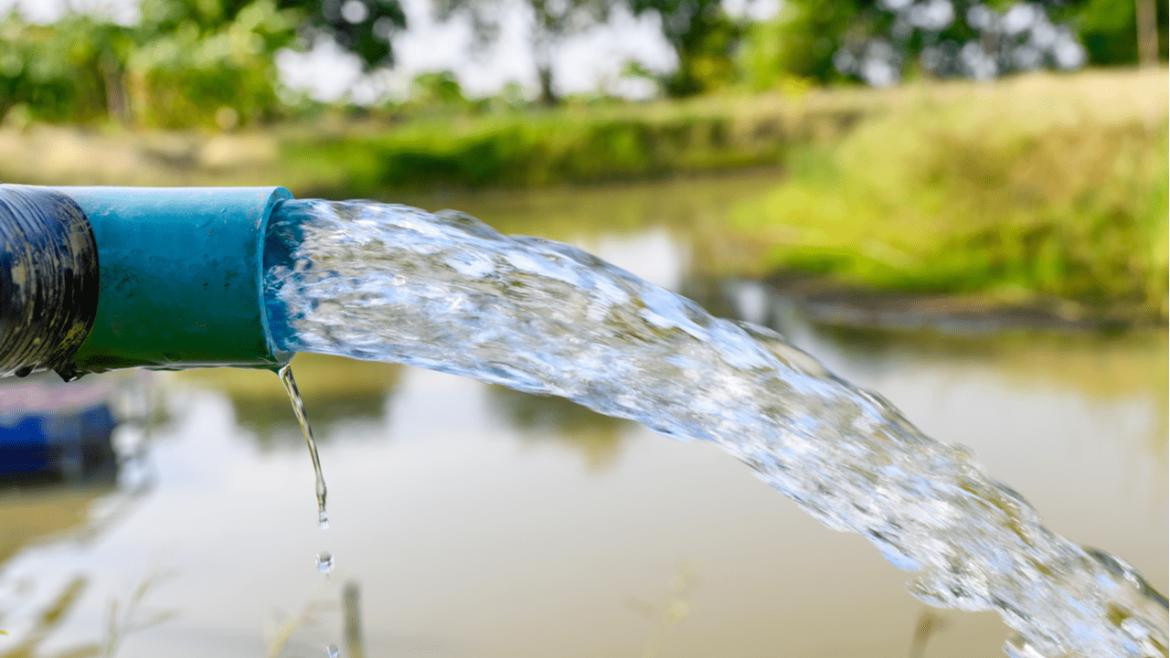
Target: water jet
pixel 447 292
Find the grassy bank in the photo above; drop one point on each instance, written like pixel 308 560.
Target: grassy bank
pixel 572 145
pixel 533 148
pixel 1044 191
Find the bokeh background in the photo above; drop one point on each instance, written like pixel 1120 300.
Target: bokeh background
pixel 961 204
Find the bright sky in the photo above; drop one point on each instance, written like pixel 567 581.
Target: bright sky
pixel 586 62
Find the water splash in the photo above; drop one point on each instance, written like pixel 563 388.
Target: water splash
pixel 447 292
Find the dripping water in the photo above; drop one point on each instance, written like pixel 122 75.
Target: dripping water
pixel 324 558
pixel 298 406
pixel 325 562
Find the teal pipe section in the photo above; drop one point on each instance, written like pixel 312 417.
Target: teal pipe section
pixel 180 278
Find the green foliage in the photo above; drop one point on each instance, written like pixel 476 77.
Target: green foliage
pixel 203 63
pixel 1022 190
pixel 509 98
pixel 1107 29
pixel 61 72
pixel 704 39
pixel 224 74
pixel 883 42
pixel 799 42
pixel 437 89
pixel 185 63
pixel 585 142
pixel 364 28
pixel 1029 191
pixel 366 32
pixel 495 143
pixel 524 149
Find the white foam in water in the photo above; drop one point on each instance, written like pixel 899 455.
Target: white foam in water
pixel 447 292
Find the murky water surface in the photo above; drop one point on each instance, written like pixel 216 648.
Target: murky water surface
pixel 473 521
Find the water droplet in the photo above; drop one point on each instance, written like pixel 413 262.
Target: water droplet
pixel 332 651
pixel 324 562
pixel 323 520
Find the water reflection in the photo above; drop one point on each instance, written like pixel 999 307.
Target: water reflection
pixel 598 438
pixel 50 430
pixel 57 457
pixel 688 205
pixel 929 623
pixel 335 392
pixel 48 620
pixel 664 615
pixel 33 515
pixel 355 646
pixel 1093 363
pixel 73 508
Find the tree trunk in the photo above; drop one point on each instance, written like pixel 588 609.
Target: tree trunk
pixel 117 107
pixel 1147 32
pixel 548 95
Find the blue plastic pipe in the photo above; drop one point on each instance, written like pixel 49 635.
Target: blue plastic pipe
pixel 179 278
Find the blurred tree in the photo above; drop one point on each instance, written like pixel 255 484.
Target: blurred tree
pixel 362 27
pixel 704 38
pixel 1113 34
pixel 800 41
pixel 1147 29
pixel 880 41
pixel 552 21
pixel 70 71
pixel 186 62
pixel 436 89
pixel 198 65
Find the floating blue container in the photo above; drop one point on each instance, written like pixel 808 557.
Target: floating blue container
pixel 50 435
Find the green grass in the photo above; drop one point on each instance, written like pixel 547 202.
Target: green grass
pixel 569 145
pixel 531 148
pixel 1038 190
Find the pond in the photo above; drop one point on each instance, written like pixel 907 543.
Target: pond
pixel 469 520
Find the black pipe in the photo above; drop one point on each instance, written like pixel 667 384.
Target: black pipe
pixel 48 280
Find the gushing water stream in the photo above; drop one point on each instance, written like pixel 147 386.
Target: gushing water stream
pixel 446 292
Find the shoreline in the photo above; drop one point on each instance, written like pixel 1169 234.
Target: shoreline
pixel 828 303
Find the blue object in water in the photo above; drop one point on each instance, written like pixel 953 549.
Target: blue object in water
pixel 52 440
